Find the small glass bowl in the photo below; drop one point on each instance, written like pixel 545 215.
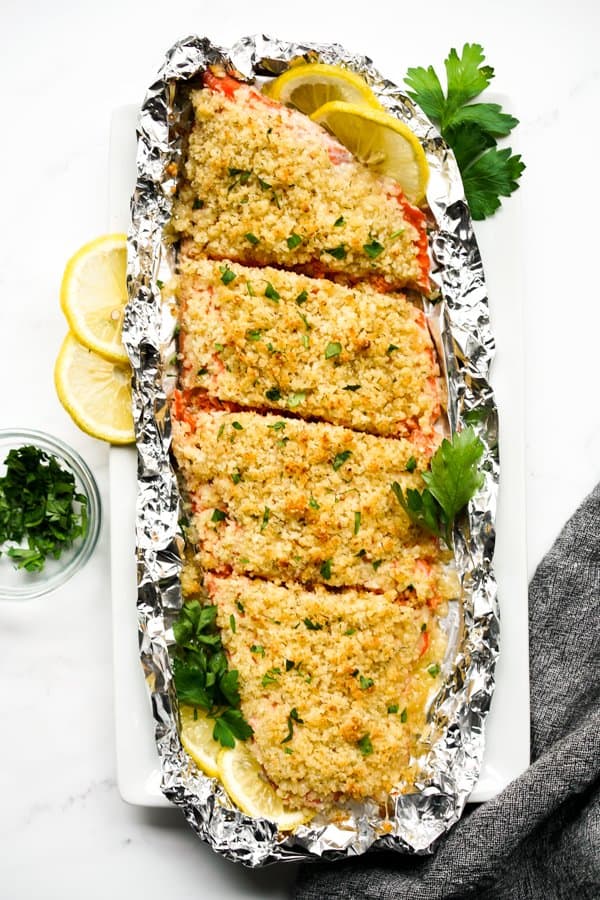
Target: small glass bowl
pixel 18 584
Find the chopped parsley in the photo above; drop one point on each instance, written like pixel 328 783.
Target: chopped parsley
pixel 393 708
pixel 373 249
pixel 313 503
pixel 312 626
pixel 273 394
pixel 365 683
pixel 237 426
pixel 391 349
pixel 39 505
pixel 202 371
pixel 364 745
pixel 305 341
pixel 270 677
pixel 232 624
pixel 340 458
pixel 352 387
pixel 404 715
pixel 198 203
pixel 264 185
pixel 291 719
pixel 434 670
pixel 240 606
pixel 396 234
pixel 424 625
pixel 251 238
pixel 236 476
pixel 258 649
pixel 325 569
pixel 333 348
pixel 350 631
pixel 289 664
pixel 294 241
pixel 337 252
pixel 227 275
pixel 411 464
pixel 265 518
pixel 254 334
pixel 250 289
pixel 296 399
pixel 278 426
pixel 376 563
pixel 218 515
pixel 339 222
pixel 302 298
pixel 271 293
pixel 357 518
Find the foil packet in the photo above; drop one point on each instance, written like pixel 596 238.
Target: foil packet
pixel 459 321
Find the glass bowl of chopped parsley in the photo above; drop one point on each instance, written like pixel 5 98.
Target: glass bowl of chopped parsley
pixel 49 513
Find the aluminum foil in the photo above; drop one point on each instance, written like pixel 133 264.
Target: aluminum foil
pixel 419 814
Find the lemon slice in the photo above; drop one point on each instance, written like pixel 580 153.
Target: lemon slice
pixel 197 738
pixel 95 392
pixel 244 781
pixel 93 295
pixel 307 87
pixel 380 141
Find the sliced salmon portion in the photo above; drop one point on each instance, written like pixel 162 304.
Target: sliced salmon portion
pixel 263 185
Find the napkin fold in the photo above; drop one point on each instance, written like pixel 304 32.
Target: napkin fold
pixel 540 838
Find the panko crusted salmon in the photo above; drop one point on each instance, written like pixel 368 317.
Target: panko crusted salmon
pixel 355 666
pixel 267 338
pixel 308 386
pixel 285 499
pixel 264 185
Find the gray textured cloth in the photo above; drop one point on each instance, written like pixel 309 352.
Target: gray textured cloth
pixel 540 838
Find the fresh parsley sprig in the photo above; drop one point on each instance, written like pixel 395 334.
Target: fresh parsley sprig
pixel 470 129
pixel 39 506
pixel 453 479
pixel 202 676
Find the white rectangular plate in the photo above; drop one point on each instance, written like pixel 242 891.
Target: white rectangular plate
pixel 507 743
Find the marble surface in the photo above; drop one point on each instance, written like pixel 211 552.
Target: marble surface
pixel 64 831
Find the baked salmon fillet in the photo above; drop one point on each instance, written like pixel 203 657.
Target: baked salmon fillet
pixel 266 338
pixel 335 685
pixel 264 185
pixel 286 499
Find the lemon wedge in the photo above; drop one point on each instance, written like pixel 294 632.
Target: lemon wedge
pixel 381 142
pixel 93 295
pixel 197 738
pixel 95 392
pixel 307 87
pixel 245 782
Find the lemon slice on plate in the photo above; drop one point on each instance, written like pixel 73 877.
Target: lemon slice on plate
pixel 245 782
pixel 93 295
pixel 307 87
pixel 381 142
pixel 95 392
pixel 197 738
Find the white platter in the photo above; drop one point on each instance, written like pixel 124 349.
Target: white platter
pixel 507 741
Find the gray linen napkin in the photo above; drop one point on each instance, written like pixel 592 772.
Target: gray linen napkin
pixel 540 838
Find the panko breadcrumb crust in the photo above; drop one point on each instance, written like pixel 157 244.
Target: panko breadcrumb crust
pixel 265 186
pixel 308 385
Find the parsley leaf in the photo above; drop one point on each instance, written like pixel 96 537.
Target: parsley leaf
pixel 451 482
pixel 491 176
pixel 470 129
pixel 201 674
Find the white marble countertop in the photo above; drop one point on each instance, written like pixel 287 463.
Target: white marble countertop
pixel 64 831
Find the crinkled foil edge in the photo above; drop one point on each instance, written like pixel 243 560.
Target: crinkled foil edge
pixel 460 324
